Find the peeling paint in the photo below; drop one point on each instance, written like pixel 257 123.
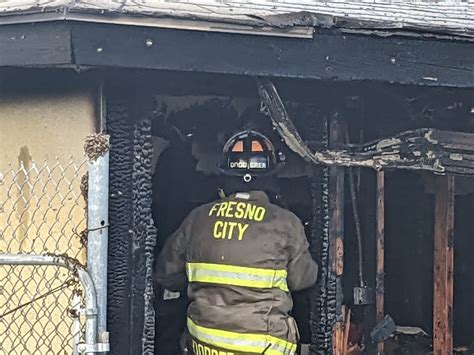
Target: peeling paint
pixel 387 143
pixel 429 138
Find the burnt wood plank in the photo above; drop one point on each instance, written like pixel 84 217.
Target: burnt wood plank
pixel 414 150
pixel 443 266
pixel 380 251
pixel 119 306
pixel 37 44
pixel 336 232
pixel 329 55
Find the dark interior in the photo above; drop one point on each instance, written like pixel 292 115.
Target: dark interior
pixel 190 124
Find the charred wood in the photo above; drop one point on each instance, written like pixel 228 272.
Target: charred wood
pixel 426 149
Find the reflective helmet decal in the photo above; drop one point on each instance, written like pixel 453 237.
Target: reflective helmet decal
pixel 238 147
pixel 256 146
pixel 248 152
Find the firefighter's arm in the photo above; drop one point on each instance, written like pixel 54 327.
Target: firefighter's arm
pixel 170 269
pixel 302 269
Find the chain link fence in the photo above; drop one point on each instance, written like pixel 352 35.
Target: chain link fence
pixel 42 211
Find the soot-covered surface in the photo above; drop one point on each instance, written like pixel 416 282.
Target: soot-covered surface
pixel 132 232
pixel 184 179
pixel 120 219
pixel 409 203
pixel 203 124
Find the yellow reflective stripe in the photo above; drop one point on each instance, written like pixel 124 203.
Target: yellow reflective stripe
pixel 237 275
pixel 245 342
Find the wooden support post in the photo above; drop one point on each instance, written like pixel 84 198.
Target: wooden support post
pixel 380 251
pixel 336 232
pixel 443 266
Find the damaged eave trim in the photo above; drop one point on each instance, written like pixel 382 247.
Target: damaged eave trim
pixel 410 33
pixel 196 25
pixel 253 26
pixel 156 22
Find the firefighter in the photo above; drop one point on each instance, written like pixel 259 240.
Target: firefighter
pixel 240 257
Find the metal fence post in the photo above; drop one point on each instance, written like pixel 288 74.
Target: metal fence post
pixel 76 325
pixel 97 220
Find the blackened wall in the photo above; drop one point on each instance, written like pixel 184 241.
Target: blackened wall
pixel 132 233
pixel 179 187
pixel 409 254
pixel 382 110
pixel 464 269
pixel 120 218
pixel 385 110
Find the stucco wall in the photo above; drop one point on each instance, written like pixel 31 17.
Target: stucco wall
pixel 41 209
pixel 45 126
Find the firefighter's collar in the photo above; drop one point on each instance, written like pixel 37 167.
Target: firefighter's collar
pixel 251 196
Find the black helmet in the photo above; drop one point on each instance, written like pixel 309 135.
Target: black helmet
pixel 249 153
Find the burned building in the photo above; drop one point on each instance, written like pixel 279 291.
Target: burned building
pixel 374 114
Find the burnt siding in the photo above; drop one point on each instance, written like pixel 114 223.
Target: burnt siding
pixel 144 238
pixel 132 232
pixel 121 224
pixel 323 298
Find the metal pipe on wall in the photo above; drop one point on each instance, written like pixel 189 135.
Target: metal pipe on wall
pixel 98 224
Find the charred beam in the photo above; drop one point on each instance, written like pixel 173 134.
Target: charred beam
pixel 424 149
pixel 121 223
pixel 322 304
pixel 380 252
pixel 130 291
pixel 336 232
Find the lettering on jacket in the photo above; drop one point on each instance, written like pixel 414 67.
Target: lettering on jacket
pixel 200 349
pixel 242 211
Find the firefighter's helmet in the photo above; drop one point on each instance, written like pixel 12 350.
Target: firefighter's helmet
pixel 249 153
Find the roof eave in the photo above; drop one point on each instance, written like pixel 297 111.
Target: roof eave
pixel 286 25
pixel 170 22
